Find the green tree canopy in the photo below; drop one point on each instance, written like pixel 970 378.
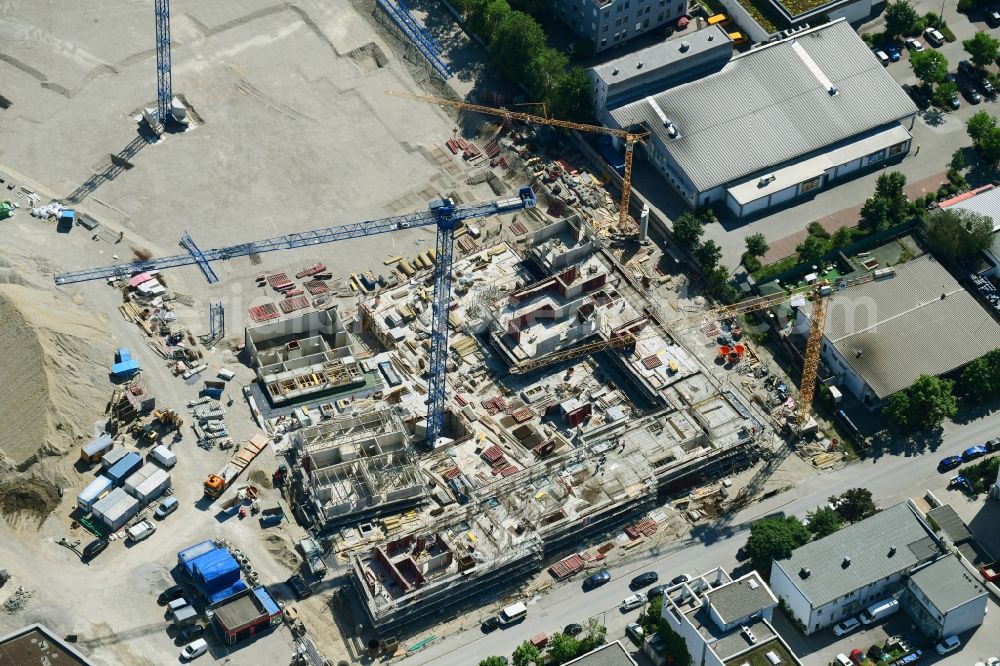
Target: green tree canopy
pixel 515 46
pixel 673 645
pixel 958 234
pixel 824 521
pixel 855 504
pixel 979 126
pixel 708 254
pixel 563 647
pixel 687 231
pixel 596 633
pixel 775 539
pixel 981 379
pixel 526 653
pixel 924 405
pixel 982 48
pixel 902 19
pixel 757 245
pixel 989 147
pixel 571 98
pixel 493 661
pixel 929 65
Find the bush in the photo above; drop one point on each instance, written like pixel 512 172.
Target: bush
pixel 816 229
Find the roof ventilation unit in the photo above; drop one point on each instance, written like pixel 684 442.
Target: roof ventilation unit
pixel 614 72
pixel 773 657
pixel 752 583
pixel 833 91
pixel 684 47
pixel 748 634
pixel 847 562
pixel 672 130
pixel 892 551
pixel 804 572
pixel 639 65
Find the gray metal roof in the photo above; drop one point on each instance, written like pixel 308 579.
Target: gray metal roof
pixel 891 331
pixel 868 544
pixel 987 203
pixel 612 654
pixel 740 598
pixel 947 584
pixel 949 521
pixel 771 105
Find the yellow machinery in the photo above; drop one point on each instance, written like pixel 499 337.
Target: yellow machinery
pixel 630 138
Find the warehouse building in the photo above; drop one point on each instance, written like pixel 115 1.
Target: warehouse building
pixel 607 24
pixel 840 575
pixel 246 614
pixel 812 109
pixel 879 337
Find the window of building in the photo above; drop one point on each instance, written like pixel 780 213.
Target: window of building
pixel 647 10
pixel 811 185
pixel 897 149
pixel 618 10
pixel 595 12
pixel 667 13
pixel 606 13
pixel 604 28
pixel 645 24
pixel 618 22
pixel 659 17
pixel 624 32
pixel 593 27
pixel 604 40
pixel 638 26
pixel 626 4
pixel 872 159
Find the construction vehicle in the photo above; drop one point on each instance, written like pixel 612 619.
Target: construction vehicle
pixel 6 209
pixel 168 417
pixel 216 484
pixel 630 138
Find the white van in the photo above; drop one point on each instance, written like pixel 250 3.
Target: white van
pixel 163 455
pixel 513 613
pixel 879 610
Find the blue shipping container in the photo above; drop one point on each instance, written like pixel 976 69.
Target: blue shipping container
pixel 216 569
pixel 187 556
pixel 124 467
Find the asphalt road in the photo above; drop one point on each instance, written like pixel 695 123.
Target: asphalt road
pixel 891 479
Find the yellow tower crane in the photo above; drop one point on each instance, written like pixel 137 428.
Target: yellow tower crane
pixel 630 138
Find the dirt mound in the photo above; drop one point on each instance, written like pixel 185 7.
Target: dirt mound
pixel 28 498
pixel 260 478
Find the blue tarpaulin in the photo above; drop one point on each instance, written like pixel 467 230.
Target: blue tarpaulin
pixel 187 556
pixel 226 592
pixel 216 569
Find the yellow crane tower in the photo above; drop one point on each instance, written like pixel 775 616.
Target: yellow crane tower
pixel 630 138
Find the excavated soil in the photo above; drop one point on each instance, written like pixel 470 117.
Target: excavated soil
pixel 260 478
pixel 28 500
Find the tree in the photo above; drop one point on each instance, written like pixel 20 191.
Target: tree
pixel 979 126
pixel 812 248
pixel 902 19
pixel 596 633
pixel 708 255
pixel 957 160
pixel 720 285
pixel 855 504
pixel 924 405
pixel 842 236
pixel 982 48
pixel 571 96
pixel 516 44
pixel 775 539
pixel 824 521
pixel 929 66
pixel 890 186
pixel 673 645
pixel 757 245
pixel 979 380
pixel 548 67
pixel 958 234
pixel 493 661
pixel 989 148
pixel 650 616
pixel 563 647
pixel 526 653
pixel 687 231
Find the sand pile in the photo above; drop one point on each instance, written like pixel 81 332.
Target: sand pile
pixel 54 356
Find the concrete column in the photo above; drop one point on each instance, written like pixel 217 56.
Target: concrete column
pixel 644 225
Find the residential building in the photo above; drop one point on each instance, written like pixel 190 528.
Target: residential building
pixel 879 337
pixel 944 598
pixel 609 654
pixel 723 622
pixel 607 24
pixel 36 644
pixel 812 109
pixel 786 15
pixel 840 575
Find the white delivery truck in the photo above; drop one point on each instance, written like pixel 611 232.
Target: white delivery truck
pixel 879 610
pixel 513 613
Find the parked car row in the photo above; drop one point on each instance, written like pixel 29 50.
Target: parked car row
pixel 949 463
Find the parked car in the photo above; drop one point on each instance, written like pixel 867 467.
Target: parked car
pixel 962 483
pixel 986 86
pixel 857 656
pixel 94 548
pixel 948 644
pixel 974 452
pixel 298 585
pixel 167 507
pixel 573 629
pixel 846 626
pixel 918 95
pixel 954 102
pixel 993 661
pixel 934 36
pixel 842 660
pixel 631 602
pixel 635 632
pixel 492 623
pixel 882 57
pixel 169 594
pixel 993 17
pixel 141 530
pixel 913 44
pixel 597 579
pixel 972 95
pixel 194 649
pixel 657 591
pixel 892 51
pixel 677 580
pixel 993 445
pixel 909 659
pixel 949 463
pixel 644 580
pixel 190 632
pixel 965 67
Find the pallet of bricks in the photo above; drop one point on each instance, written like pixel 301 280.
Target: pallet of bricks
pixel 645 527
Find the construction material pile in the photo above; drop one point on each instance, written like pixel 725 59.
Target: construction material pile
pixel 17 601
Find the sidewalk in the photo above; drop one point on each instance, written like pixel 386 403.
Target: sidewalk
pixel 784 247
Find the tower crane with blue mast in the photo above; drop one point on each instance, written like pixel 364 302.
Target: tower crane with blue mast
pixel 443 213
pixel 164 87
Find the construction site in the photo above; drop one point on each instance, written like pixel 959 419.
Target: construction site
pixel 413 364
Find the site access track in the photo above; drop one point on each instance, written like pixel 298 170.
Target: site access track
pixel 216 484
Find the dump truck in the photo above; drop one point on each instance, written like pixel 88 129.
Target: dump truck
pixel 216 484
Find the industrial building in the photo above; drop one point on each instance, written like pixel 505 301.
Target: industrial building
pixel 246 614
pixel 606 24
pixel 840 575
pixel 147 483
pixel 813 108
pixel 36 644
pixel 723 622
pixel 114 510
pixel 880 336
pixel 305 356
